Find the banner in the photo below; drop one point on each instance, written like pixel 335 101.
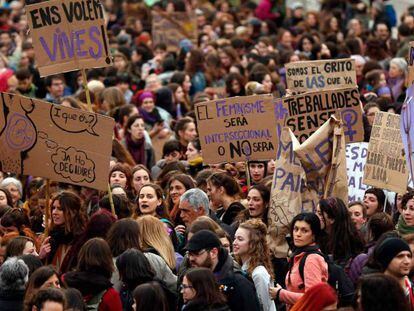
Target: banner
pixel 41 139
pixel 407 128
pixel 304 174
pixel 171 28
pixel 386 166
pixel 320 74
pixel 68 35
pixel 305 113
pixel 356 156
pixel 237 129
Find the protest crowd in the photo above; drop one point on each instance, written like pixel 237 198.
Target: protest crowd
pixel 186 196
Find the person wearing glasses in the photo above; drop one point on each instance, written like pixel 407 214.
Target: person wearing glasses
pixel 201 292
pixel 204 250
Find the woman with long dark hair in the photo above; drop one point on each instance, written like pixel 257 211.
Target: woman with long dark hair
pixel 150 296
pixel 342 239
pixel 68 223
pixel 201 292
pixel 305 230
pixel 224 191
pixel 258 199
pixel 135 269
pixel 93 274
pixel 151 202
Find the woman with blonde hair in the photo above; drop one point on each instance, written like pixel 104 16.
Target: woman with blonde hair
pixel 154 238
pixel 252 252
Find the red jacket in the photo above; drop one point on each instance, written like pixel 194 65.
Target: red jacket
pixel 110 301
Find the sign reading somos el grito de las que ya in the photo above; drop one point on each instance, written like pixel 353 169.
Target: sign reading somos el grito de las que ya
pixel 68 35
pixel 237 129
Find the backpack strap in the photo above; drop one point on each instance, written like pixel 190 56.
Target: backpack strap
pixel 302 265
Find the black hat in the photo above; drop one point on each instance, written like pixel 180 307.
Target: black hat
pixel 203 239
pixel 388 249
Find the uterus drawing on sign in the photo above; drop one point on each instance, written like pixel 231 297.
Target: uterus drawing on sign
pixel 18 133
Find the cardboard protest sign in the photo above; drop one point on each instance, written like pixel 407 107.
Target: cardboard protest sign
pixel 305 113
pixel 385 166
pixel 356 156
pixel 407 128
pixel 410 78
pixel 41 139
pixel 304 174
pixel 321 74
pixel 68 35
pixel 171 28
pixel 237 129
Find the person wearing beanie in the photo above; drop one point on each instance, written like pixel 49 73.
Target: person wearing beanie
pixel 394 257
pixel 14 275
pixel 204 250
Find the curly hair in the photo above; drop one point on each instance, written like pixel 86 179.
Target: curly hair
pixel 258 248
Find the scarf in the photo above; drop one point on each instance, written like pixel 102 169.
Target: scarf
pixel 403 228
pixel 57 238
pixel 150 117
pixel 136 149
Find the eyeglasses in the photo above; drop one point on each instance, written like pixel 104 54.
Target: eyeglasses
pixel 183 286
pixel 196 253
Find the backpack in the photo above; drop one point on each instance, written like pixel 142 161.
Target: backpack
pixel 337 278
pixel 95 301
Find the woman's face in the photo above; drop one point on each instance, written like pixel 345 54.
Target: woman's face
pixel 267 84
pixel 119 178
pixel 306 45
pixel 148 104
pixel 214 194
pixel 357 215
pixel 333 24
pixel 302 234
pixel 189 133
pixel 53 281
pixel 287 39
pixel 225 60
pixel 15 194
pixel 255 203
pixel 371 202
pixel 58 216
pixel 225 243
pixel 257 171
pixel 191 152
pixel 187 290
pixel 139 179
pixel 148 201
pixel 3 198
pixel 187 84
pixel 398 202
pixel 177 189
pixel 311 20
pixel 29 249
pixel 408 213
pixel 119 63
pixel 371 115
pixel 241 242
pixel 395 71
pixel 235 86
pixel 137 129
pixel 325 50
pixel 325 221
pixel 179 94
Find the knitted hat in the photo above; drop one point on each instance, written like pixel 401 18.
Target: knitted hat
pixel 388 249
pixel 144 95
pixel 203 239
pixel 14 274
